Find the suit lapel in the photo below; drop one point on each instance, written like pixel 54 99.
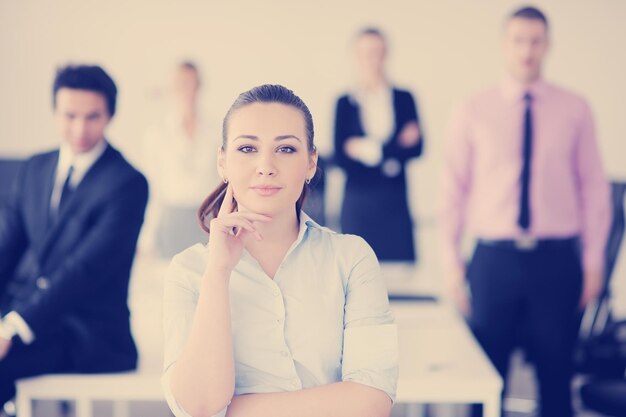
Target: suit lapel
pixel 88 185
pixel 397 114
pixel 48 174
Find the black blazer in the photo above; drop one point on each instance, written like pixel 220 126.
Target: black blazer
pixel 348 123
pixel 71 276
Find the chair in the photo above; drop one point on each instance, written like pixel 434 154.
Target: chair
pixel 607 396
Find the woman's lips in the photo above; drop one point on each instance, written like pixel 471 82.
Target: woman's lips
pixel 266 190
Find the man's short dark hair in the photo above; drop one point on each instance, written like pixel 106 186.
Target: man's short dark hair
pixel 86 77
pixel 530 12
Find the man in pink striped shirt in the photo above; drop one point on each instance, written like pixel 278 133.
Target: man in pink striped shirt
pixel 523 175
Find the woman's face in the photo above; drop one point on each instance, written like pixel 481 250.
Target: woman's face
pixel 267 159
pixel 370 54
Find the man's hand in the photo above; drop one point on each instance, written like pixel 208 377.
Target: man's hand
pixel 409 135
pixel 455 289
pixel 368 152
pixel 592 285
pixel 5 346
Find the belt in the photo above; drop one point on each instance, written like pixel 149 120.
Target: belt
pixel 529 243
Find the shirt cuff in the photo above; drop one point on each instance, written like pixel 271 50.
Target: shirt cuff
pixel 6 332
pixel 369 152
pixel 370 357
pixel 20 327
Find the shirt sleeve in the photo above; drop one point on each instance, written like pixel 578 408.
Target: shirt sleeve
pixel 179 304
pixel 370 346
pixel 595 198
pixel 455 183
pixel 22 329
pixel 405 112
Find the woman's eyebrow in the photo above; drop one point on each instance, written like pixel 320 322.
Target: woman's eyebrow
pixel 283 137
pixel 247 137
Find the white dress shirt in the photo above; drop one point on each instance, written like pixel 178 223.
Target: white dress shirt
pixel 81 163
pixel 378 122
pixel 324 317
pixel 181 171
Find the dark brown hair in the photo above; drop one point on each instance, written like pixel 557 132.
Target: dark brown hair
pixel 372 31
pixel 267 93
pixel 530 12
pixel 86 77
pixel 191 66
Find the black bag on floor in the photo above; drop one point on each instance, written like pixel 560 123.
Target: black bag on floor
pixel 604 355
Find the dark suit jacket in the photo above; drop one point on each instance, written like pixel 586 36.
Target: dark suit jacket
pixel 348 123
pixel 375 204
pixel 71 276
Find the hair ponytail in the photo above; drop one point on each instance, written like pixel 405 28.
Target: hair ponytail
pixel 210 207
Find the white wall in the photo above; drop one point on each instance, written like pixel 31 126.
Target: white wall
pixel 441 49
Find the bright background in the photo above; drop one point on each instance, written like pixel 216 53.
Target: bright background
pixel 441 50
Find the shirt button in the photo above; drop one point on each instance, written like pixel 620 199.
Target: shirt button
pixel 284 353
pixel 279 321
pixel 294 382
pixel 42 283
pixel 276 293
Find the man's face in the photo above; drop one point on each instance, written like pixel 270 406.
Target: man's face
pixel 82 117
pixel 525 45
pixel 370 54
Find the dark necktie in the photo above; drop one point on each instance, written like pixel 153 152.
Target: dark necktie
pixel 524 213
pixel 67 190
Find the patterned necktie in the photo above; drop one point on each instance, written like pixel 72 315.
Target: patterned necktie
pixel 524 213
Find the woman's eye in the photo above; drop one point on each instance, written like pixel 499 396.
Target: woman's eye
pixel 286 149
pixel 246 149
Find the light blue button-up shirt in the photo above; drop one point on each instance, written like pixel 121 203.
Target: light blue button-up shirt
pixel 324 317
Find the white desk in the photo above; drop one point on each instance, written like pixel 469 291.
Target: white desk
pixel 440 361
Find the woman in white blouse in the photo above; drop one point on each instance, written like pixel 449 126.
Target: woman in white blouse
pixel 275 306
pixel 179 158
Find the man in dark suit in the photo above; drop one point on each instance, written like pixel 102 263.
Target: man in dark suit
pixel 67 241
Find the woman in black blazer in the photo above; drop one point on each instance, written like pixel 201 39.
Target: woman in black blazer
pixel 376 132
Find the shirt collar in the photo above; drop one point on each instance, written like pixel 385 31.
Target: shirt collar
pixel 81 162
pixel 358 95
pixel 514 90
pixel 305 224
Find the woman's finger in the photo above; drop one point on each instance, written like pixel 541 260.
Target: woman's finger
pixel 227 223
pixel 253 217
pixel 227 203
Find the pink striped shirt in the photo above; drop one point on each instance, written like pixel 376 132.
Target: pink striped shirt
pixel 569 192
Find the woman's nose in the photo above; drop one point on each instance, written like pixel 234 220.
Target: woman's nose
pixel 266 165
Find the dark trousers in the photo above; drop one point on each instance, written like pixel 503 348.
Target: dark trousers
pixel 529 298
pixel 46 356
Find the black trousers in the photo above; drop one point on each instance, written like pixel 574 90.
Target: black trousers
pixel 529 298
pixel 43 356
